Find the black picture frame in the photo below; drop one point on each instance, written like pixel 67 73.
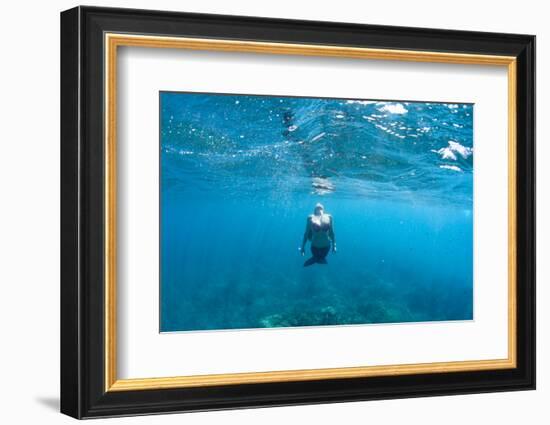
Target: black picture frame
pixel 83 392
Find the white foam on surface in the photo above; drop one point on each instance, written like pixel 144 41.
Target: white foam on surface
pixel 394 108
pixel 449 152
pixel 451 167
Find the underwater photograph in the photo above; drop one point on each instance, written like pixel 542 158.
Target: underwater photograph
pixel 280 211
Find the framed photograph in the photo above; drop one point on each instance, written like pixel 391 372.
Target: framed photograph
pixel 261 212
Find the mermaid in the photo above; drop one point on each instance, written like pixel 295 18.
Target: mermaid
pixel 320 232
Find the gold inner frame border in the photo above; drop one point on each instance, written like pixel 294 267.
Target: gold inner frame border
pixel 114 40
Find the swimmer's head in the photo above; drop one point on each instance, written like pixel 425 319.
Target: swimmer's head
pixel 318 210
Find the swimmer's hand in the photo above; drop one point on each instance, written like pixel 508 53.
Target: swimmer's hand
pixel 302 251
pixel 334 248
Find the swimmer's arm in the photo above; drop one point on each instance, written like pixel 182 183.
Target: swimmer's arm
pixel 331 234
pixel 306 233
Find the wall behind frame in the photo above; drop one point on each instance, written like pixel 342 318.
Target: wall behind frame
pixel 29 217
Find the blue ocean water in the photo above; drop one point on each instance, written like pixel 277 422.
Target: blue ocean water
pixel 241 173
